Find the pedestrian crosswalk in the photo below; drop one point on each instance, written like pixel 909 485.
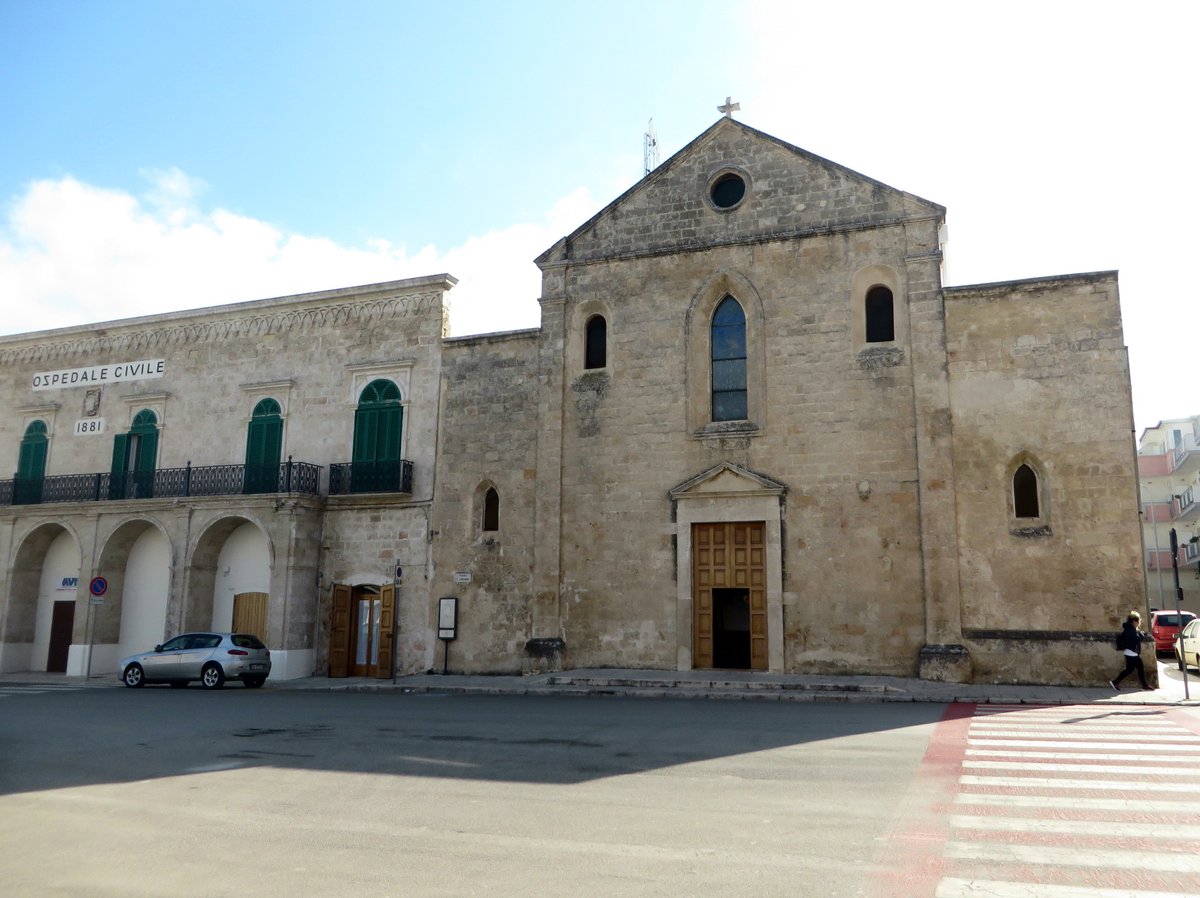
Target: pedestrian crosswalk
pixel 1073 802
pixel 43 688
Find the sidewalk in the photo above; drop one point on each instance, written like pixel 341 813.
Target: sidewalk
pixel 730 685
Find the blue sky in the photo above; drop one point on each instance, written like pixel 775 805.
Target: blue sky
pixel 167 155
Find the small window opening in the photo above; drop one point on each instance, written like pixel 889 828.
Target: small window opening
pixel 1025 493
pixel 728 191
pixel 595 353
pixel 491 510
pixel 881 323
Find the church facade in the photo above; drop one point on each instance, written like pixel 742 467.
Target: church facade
pixel 753 431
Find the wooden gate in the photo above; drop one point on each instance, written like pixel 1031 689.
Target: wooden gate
pixel 250 614
pixel 729 556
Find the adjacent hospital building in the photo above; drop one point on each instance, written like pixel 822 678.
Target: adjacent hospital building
pixel 753 431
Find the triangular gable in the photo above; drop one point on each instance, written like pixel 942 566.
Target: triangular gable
pixel 792 192
pixel 725 480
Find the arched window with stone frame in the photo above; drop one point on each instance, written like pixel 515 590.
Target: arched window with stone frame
pixel 1026 491
pixel 595 343
pixel 880 315
pixel 729 361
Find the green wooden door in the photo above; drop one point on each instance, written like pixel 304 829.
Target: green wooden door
pixel 31 465
pixel 378 423
pixel 264 443
pixel 134 456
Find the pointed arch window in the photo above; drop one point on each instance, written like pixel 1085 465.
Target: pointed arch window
pixel 378 425
pixel 1025 493
pixel 491 510
pixel 133 459
pixel 595 345
pixel 264 444
pixel 31 465
pixel 881 315
pixel 729 361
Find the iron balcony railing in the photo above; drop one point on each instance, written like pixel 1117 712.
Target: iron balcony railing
pixel 165 483
pixel 370 477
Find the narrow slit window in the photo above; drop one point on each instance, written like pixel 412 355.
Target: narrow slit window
pixel 1025 493
pixel 491 510
pixel 595 351
pixel 881 315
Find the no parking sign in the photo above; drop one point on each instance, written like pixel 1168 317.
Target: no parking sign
pixel 98 587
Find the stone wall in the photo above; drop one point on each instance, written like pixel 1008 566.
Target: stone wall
pixel 1039 376
pixel 488 440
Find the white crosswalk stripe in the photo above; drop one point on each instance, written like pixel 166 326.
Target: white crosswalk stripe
pixel 1130 770
pixel 1042 792
pixel 952 887
pixel 43 689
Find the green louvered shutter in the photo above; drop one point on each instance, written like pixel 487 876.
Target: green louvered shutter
pixel 31 465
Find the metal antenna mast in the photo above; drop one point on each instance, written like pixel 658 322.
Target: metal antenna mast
pixel 649 149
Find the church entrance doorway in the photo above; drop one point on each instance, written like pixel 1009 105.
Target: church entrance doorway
pixel 729 595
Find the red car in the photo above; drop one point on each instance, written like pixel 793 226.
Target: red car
pixel 1165 626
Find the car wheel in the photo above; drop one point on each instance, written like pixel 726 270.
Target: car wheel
pixel 254 682
pixel 212 677
pixel 134 677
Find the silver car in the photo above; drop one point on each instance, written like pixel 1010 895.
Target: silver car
pixel 211 658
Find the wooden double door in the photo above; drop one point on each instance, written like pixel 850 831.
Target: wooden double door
pixel 729 595
pixel 361 631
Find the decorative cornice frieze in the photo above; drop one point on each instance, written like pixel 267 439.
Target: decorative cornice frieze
pixel 212 328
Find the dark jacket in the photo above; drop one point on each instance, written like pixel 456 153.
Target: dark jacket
pixel 1131 637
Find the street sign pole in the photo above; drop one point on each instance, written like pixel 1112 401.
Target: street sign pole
pixel 1178 609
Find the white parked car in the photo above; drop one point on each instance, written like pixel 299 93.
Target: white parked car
pixel 1187 645
pixel 211 658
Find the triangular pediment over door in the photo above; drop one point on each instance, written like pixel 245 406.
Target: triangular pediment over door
pixel 727 494
pixel 726 479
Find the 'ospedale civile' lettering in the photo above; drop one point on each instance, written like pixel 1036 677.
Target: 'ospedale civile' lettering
pixel 145 369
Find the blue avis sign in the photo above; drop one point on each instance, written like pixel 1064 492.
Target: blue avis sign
pixel 98 586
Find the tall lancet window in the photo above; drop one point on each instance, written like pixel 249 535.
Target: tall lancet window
pixel 729 362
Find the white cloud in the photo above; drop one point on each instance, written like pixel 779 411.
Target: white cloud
pixel 73 253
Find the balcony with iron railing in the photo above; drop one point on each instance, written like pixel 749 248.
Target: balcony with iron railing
pixel 1185 455
pixel 370 477
pixel 1186 506
pixel 165 483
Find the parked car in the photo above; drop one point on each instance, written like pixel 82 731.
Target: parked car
pixel 1187 646
pixel 211 658
pixel 1165 626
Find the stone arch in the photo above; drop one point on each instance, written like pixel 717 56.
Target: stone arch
pixel 137 559
pixel 697 335
pixel 24 636
pixel 212 580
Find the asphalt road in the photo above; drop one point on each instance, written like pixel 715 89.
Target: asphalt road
pixel 264 793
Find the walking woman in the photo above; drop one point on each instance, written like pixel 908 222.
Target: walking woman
pixel 1130 643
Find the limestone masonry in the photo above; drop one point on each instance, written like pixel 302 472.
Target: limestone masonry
pixel 753 431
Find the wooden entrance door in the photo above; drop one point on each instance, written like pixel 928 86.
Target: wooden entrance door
pixel 728 558
pixel 361 631
pixel 62 625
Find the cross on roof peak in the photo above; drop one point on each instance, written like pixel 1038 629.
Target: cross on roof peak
pixel 729 108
